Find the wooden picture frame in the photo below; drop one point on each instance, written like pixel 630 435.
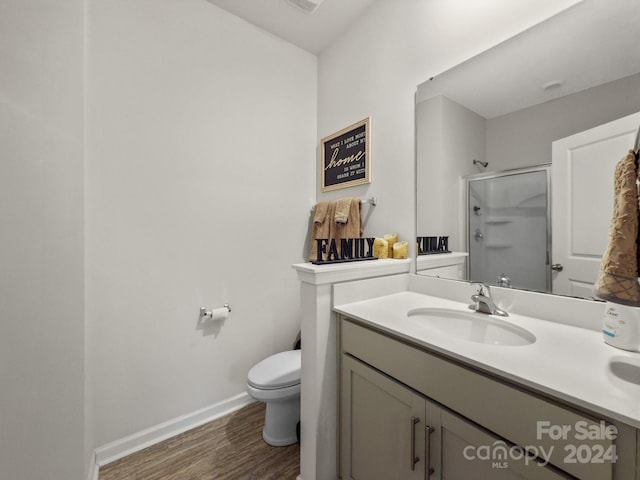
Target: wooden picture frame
pixel 345 159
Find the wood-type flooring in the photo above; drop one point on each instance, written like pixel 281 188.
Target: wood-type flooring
pixel 230 448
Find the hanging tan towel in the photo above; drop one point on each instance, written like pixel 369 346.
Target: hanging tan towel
pixel 618 278
pixel 325 216
pixel 343 209
pixel 319 227
pixel 352 227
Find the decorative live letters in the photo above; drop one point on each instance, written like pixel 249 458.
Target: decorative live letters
pixel 431 245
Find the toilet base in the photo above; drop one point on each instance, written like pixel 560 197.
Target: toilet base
pixel 280 421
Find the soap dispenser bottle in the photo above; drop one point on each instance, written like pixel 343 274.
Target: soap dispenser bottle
pixel 621 326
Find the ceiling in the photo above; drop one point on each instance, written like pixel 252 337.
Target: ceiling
pixel 589 44
pixel 312 32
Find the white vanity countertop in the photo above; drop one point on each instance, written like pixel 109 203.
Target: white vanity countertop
pixel 565 362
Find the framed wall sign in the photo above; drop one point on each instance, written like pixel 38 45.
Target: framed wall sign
pixel 345 159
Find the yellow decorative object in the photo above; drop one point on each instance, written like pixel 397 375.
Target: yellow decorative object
pixel 401 250
pixel 380 248
pixel 391 239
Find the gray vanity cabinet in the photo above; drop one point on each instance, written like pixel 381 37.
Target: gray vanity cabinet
pixel 404 410
pixel 391 432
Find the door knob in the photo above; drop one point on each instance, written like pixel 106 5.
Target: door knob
pixel 557 267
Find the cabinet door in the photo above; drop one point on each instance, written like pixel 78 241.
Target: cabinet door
pixel 382 426
pixel 469 451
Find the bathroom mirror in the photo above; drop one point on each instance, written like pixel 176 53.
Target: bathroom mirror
pixel 506 166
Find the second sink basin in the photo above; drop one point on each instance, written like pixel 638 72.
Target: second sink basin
pixel 471 326
pixel 626 368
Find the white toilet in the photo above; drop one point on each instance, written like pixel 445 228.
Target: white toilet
pixel 276 381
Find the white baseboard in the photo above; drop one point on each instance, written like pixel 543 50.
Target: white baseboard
pixel 93 467
pixel 150 436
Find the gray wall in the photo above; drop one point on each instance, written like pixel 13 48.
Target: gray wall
pixel 41 212
pixel 523 138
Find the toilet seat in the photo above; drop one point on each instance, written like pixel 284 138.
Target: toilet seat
pixel 277 371
pixel 274 395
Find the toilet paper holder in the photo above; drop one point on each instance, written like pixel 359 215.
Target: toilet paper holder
pixel 218 313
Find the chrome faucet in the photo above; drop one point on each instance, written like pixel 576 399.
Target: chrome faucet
pixel 482 301
pixel 503 281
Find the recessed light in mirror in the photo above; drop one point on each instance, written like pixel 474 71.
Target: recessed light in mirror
pixel 553 84
pixel 309 6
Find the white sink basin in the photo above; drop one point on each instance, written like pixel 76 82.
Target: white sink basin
pixel 471 326
pixel 625 368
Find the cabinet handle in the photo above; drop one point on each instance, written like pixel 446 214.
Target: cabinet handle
pixel 429 430
pixel 414 459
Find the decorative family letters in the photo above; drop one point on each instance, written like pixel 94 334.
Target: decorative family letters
pixel 344 250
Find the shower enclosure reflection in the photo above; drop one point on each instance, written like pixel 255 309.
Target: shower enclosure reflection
pixel 508 228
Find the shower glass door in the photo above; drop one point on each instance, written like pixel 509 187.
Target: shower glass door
pixel 508 229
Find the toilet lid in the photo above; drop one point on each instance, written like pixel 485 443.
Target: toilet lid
pixel 277 371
